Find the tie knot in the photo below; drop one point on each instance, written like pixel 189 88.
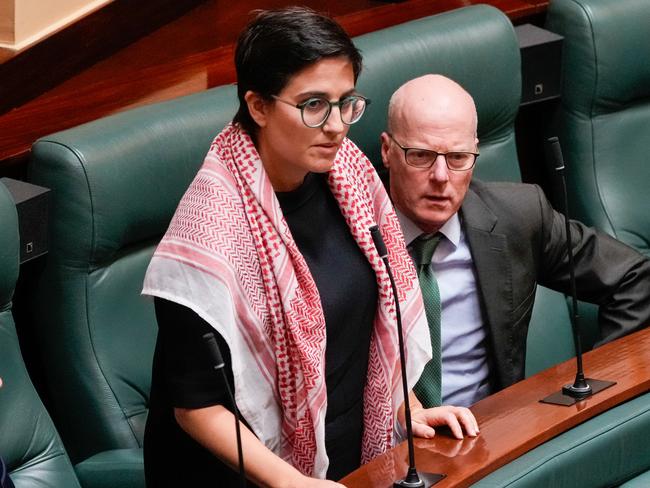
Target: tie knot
pixel 424 247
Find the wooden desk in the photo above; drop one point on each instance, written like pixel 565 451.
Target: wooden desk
pixel 513 421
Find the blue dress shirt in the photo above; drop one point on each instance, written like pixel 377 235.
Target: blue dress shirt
pixel 465 368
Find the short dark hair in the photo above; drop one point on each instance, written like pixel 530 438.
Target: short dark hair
pixel 277 44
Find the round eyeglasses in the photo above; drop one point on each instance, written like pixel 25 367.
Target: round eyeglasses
pixel 425 158
pixel 315 110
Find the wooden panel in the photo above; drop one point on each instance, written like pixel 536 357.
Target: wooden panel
pixel 85 42
pixel 513 421
pixel 185 56
pixel 7 18
pixel 397 13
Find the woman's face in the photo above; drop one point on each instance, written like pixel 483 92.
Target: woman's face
pixel 288 148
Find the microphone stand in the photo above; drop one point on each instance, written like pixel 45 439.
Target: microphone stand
pixel 218 364
pixel 581 387
pixel 412 478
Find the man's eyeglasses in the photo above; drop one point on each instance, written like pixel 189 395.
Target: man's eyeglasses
pixel 425 158
pixel 315 110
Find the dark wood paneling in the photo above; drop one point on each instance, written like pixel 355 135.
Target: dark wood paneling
pixel 82 44
pixel 188 55
pixel 513 421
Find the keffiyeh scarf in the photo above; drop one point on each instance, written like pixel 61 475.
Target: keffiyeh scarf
pixel 229 256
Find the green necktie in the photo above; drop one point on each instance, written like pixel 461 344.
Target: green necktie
pixel 428 389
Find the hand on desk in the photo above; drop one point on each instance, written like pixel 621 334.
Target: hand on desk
pixel 458 419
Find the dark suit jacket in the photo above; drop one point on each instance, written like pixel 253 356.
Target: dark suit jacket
pixel 517 240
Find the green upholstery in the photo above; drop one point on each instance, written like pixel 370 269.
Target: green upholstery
pixel 29 443
pixel 477 47
pixel 115 185
pixel 640 481
pixel 605 117
pixel 549 340
pixel 604 451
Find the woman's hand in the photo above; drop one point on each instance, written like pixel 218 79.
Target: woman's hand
pixel 458 419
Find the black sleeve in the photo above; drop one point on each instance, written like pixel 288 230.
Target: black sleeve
pixel 608 273
pixel 190 378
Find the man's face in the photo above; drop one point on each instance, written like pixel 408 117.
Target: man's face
pixel 429 196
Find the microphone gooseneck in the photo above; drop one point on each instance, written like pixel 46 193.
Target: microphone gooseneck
pixel 218 364
pixel 412 478
pixel 580 387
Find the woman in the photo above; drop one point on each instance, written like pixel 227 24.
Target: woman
pixel 270 248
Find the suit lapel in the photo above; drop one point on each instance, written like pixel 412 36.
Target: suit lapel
pixel 490 254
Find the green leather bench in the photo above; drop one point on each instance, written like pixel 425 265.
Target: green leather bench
pixel 115 184
pixel 29 443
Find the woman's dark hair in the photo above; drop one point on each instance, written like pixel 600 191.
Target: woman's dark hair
pixel 277 44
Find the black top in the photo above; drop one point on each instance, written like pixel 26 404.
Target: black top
pixel 182 369
pixel 5 481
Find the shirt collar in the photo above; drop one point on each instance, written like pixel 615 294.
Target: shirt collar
pixel 451 229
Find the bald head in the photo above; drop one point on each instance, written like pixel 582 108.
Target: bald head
pixel 430 100
pixel 435 114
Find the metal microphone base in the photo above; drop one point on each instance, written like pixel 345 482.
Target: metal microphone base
pixel 572 394
pixel 421 480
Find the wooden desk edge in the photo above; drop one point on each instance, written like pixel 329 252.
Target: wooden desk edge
pixel 515 402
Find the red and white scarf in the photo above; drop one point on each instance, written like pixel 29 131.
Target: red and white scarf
pixel 229 256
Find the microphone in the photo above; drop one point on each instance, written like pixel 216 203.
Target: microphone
pixel 218 364
pixel 412 478
pixel 581 387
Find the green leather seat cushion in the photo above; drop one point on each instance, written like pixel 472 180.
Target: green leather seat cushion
pixel 112 469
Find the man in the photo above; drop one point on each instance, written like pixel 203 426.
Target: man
pixel 497 242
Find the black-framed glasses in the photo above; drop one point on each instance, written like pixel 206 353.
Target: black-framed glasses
pixel 315 110
pixel 425 158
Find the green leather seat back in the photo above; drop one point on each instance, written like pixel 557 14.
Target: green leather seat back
pixel 115 185
pixel 29 443
pixel 605 118
pixel 477 47
pixel 549 340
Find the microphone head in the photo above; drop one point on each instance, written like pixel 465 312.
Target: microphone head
pixel 378 241
pixel 556 150
pixel 213 350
